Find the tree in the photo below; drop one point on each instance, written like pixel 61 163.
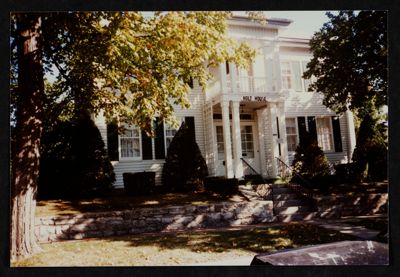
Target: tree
pixel 129 66
pixel 28 129
pixel 350 60
pixel 350 66
pixel 184 166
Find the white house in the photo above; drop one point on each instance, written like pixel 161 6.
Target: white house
pixel 246 118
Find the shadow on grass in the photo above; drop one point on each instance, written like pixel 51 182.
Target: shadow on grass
pixel 255 239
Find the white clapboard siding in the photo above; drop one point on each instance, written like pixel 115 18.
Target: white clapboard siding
pixel 196 97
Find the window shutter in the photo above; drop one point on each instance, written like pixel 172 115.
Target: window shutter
pixel 147 152
pixel 297 76
pixel 301 122
pixel 336 134
pixel 189 120
pixel 312 127
pixel 159 139
pixel 112 141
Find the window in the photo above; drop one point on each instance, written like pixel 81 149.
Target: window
pixel 291 134
pixel 324 133
pixel 291 74
pixel 169 135
pixel 130 143
pixel 246 134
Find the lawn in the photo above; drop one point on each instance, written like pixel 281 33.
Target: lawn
pixel 119 201
pixel 181 248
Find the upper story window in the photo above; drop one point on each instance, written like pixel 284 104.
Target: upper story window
pixel 291 74
pixel 325 133
pixel 130 143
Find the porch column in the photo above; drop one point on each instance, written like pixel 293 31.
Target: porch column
pixel 227 140
pixel 277 68
pixel 282 131
pixel 222 73
pixel 351 133
pixel 273 137
pixel 261 115
pixel 237 142
pixel 234 80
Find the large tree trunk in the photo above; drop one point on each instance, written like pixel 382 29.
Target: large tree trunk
pixel 25 160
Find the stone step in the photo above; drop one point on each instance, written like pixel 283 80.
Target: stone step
pixel 279 190
pixel 300 216
pixel 284 196
pixel 288 203
pixel 291 210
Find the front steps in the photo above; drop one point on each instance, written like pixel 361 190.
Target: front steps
pixel 287 205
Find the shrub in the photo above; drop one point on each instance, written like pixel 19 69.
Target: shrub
pixel 74 162
pixel 185 167
pixel 309 160
pixel 370 153
pixel 139 183
pixel 221 185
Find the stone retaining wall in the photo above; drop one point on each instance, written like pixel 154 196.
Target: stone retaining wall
pixel 141 220
pixel 335 206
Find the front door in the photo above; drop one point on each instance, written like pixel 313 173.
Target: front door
pixel 250 151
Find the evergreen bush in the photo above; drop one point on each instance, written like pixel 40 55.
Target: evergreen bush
pixel 370 153
pixel 74 162
pixel 185 168
pixel 310 161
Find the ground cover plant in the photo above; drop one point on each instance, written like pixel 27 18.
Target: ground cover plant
pixel 183 247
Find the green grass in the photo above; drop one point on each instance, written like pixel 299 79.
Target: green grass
pixel 182 247
pixel 373 223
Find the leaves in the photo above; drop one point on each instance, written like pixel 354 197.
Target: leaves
pixel 133 67
pixel 350 60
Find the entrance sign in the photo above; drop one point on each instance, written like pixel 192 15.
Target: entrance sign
pixel 254 98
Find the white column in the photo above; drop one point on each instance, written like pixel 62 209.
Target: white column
pixel 234 80
pixel 237 142
pixel 261 114
pixel 227 140
pixel 274 138
pixel 222 73
pixel 277 68
pixel 282 131
pixel 351 133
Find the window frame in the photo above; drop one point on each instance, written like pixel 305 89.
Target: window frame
pixel 302 66
pixel 297 133
pixel 120 137
pixel 331 137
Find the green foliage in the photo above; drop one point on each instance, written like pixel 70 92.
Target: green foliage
pixel 370 153
pixel 130 66
pixel 309 160
pixel 74 162
pixel 185 167
pixel 350 60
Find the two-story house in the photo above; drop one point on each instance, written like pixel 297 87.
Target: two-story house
pixel 246 118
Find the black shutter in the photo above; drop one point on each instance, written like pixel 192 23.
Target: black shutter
pixel 336 134
pixel 301 123
pixel 312 127
pixel 147 152
pixel 189 121
pixel 112 141
pixel 159 139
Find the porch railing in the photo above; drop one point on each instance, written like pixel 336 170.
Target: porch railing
pixel 270 188
pixel 248 84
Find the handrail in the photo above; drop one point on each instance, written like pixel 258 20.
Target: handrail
pixel 308 193
pixel 259 175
